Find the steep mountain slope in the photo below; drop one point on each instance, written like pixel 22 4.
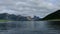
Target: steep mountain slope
pixel 55 15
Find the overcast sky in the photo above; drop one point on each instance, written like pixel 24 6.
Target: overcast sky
pixel 39 8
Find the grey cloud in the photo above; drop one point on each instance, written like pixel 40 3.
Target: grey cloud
pixel 40 8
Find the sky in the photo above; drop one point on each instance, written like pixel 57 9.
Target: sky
pixel 39 8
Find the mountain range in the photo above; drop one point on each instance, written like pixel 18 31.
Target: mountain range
pixel 13 17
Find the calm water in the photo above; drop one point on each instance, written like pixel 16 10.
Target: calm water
pixel 30 27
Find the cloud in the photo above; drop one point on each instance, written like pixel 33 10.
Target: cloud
pixel 40 8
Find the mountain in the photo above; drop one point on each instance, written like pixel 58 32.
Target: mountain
pixel 36 18
pixel 54 15
pixel 12 17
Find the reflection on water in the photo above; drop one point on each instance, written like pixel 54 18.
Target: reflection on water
pixel 30 27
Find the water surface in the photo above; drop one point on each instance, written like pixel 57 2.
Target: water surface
pixel 30 27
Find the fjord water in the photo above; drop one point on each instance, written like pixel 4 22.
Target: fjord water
pixel 30 27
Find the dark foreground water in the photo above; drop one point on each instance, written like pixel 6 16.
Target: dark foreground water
pixel 30 27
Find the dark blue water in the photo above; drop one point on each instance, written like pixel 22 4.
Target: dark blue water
pixel 30 27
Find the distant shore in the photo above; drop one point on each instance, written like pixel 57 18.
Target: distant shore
pixel 4 20
pixel 31 20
